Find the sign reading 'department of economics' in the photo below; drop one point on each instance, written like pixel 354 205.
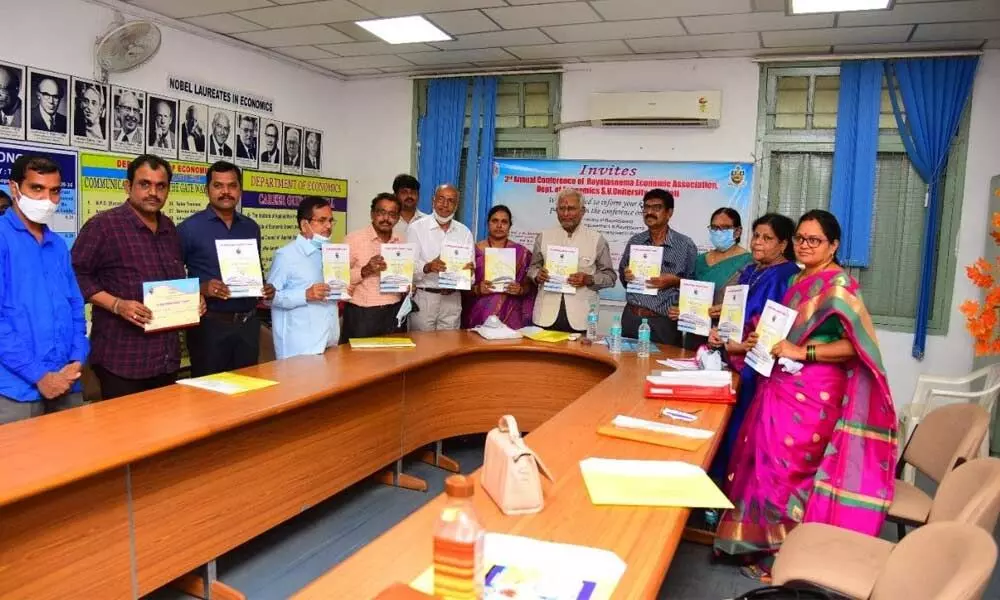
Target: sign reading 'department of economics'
pixel 208 91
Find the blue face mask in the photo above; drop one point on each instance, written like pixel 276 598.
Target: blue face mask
pixel 723 239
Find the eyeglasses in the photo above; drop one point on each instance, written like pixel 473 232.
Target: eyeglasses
pixel 386 213
pixel 721 227
pixel 808 242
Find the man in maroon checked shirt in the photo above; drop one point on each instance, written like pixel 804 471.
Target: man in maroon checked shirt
pixel 117 250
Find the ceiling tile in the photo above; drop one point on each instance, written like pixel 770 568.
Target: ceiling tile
pixel 620 10
pixel 519 2
pixel 803 50
pixel 458 56
pixel 956 31
pixel 399 8
pixel 463 21
pixel 374 48
pixel 769 5
pixel 294 36
pixel 909 46
pixel 351 30
pixel 224 23
pixel 915 1
pixel 977 10
pixel 310 13
pixel 641 57
pixel 561 13
pixel 290 1
pixel 841 35
pixel 568 50
pixel 769 21
pixel 615 30
pixel 180 9
pixel 305 52
pixel 360 71
pixel 726 53
pixel 696 43
pixel 361 62
pixel 496 39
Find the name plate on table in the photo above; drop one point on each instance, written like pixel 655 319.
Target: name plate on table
pixel 174 303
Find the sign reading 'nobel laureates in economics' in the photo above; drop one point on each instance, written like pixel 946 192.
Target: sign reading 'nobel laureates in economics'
pixel 218 93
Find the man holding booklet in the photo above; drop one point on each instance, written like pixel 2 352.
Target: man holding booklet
pixel 652 266
pixel 221 248
pixel 121 255
pixel 570 264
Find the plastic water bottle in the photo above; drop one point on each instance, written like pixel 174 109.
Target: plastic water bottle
pixel 642 348
pixel 615 336
pixel 592 323
pixel 458 544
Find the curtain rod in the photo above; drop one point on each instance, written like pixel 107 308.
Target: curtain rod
pixel 486 73
pixel 880 55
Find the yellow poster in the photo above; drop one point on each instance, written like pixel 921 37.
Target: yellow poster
pixel 272 200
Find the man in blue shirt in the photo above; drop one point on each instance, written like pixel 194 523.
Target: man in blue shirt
pixel 43 332
pixel 228 337
pixel 305 322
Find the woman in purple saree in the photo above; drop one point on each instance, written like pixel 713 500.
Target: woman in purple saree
pixel 818 445
pixel 514 307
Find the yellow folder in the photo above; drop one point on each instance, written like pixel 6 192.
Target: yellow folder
pixel 650 483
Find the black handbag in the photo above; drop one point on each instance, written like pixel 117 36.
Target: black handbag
pixel 784 592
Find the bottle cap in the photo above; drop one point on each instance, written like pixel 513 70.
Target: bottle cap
pixel 459 486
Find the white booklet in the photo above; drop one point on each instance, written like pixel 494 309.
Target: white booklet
pixel 337 270
pixel 500 267
pixel 695 303
pixel 239 264
pixel 561 262
pixel 645 263
pixel 775 323
pixel 455 256
pixel 398 274
pixel 733 317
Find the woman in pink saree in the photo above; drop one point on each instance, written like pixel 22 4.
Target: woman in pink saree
pixel 515 305
pixel 818 445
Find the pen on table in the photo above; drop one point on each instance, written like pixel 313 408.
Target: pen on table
pixel 680 415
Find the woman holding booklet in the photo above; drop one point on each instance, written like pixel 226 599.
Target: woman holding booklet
pixel 726 258
pixel 819 440
pixel 501 286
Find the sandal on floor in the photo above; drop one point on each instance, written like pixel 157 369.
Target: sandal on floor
pixel 756 572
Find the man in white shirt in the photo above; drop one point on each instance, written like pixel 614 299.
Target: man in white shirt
pixel 407 189
pixel 439 309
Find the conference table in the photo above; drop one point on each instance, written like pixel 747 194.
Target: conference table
pixel 118 498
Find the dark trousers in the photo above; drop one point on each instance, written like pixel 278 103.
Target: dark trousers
pixel 662 330
pixel 369 321
pixel 113 386
pixel 217 346
pixel 562 321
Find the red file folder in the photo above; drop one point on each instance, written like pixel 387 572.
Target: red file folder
pixel 695 393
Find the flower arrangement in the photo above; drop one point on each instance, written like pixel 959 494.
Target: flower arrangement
pixel 981 317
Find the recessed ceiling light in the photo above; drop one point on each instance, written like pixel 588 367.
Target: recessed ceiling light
pixel 405 30
pixel 805 7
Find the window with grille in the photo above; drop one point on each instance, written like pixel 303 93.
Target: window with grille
pixel 796 129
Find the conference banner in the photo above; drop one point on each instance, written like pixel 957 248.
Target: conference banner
pixel 613 193
pixel 64 222
pixel 273 200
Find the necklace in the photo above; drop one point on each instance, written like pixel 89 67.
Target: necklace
pixel 489 242
pixel 759 272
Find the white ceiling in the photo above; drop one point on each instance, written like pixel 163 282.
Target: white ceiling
pixel 511 33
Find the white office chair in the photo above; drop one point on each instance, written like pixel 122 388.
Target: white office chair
pixel 934 391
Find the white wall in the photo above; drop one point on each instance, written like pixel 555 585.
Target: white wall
pixel 59 35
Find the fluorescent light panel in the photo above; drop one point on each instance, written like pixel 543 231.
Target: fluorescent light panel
pixel 805 7
pixel 405 30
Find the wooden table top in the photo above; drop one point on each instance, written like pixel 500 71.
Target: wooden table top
pixel 644 537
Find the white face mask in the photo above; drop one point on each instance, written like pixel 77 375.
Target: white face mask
pixel 443 220
pixel 36 210
pixel 317 239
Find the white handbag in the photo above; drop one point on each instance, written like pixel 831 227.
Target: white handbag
pixel 511 470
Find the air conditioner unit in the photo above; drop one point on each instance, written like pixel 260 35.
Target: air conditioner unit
pixel 656 109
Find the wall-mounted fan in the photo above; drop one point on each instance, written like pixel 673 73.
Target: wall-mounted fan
pixel 126 46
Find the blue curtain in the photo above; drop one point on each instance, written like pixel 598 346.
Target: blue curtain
pixel 854 153
pixel 439 133
pixel 933 93
pixel 477 195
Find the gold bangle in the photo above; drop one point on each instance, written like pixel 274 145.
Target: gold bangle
pixel 114 306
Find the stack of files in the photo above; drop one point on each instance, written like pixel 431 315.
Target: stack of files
pixel 660 434
pixel 228 383
pixel 701 386
pixel 650 483
pixel 382 342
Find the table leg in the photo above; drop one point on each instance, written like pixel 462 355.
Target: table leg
pixel 397 478
pixel 438 459
pixel 205 584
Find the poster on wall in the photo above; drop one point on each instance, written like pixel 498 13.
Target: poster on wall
pixel 291 162
pixel 161 120
pixel 49 101
pixel 270 145
pixel 90 114
pixel 64 222
pixel 312 159
pixel 272 200
pixel 194 118
pixel 128 109
pixel 613 193
pixel 220 135
pixel 247 144
pixel 11 101
pixel 102 186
